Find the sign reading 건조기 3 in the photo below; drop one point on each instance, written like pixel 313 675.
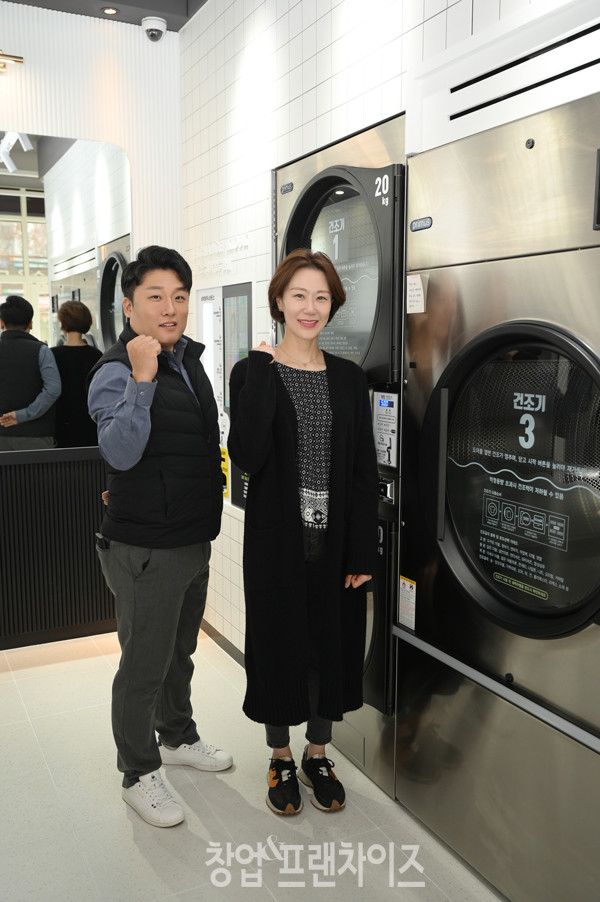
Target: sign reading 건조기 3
pixel 523 478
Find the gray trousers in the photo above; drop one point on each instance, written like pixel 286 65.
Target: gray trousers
pixel 160 595
pixel 318 729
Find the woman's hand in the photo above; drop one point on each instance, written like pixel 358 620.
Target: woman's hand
pixel 355 580
pixel 263 346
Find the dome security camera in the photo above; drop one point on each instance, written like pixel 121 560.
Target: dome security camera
pixel 154 28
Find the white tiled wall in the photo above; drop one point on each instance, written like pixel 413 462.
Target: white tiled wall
pixel 101 81
pixel 266 81
pixel 225 602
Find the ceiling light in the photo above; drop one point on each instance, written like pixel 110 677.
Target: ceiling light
pixel 9 58
pixel 109 10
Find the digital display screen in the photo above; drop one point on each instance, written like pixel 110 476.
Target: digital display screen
pixel 383 402
pixel 236 329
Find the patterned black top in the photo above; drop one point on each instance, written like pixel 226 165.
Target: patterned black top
pixel 309 393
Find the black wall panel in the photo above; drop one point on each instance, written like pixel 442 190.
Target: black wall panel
pixel 51 585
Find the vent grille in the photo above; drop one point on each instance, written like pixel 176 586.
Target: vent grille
pixel 51 578
pixel 542 67
pixel 541 60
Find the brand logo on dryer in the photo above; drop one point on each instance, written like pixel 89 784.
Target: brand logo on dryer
pixel 417 225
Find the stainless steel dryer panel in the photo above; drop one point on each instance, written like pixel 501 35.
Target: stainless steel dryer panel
pixel 374 148
pixel 526 188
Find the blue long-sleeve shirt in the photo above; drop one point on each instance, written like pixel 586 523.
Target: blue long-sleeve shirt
pixel 51 389
pixel 120 407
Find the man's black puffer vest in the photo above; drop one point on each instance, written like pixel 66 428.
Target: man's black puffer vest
pixel 173 496
pixel 21 382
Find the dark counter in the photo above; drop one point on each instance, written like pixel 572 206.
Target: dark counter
pixel 51 584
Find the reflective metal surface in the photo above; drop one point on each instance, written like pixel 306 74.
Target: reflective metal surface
pixel 503 239
pixel 374 148
pixel 514 797
pixel 462 303
pixel 528 187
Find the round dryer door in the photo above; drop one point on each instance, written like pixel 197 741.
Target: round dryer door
pixel 518 491
pixel 350 215
pixel 112 318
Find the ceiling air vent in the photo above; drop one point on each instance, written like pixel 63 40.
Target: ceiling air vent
pixel 505 73
pixel 553 63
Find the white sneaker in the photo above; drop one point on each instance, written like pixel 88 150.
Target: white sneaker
pixel 153 801
pixel 199 755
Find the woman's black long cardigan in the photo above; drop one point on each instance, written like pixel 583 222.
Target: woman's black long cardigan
pixel 263 441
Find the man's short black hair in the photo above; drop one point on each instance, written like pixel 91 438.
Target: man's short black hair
pixel 16 312
pixel 154 257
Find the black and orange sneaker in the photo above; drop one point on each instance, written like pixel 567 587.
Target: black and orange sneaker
pixel 283 796
pixel 328 792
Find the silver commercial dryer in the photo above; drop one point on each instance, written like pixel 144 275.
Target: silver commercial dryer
pixel 347 200
pixel 498 723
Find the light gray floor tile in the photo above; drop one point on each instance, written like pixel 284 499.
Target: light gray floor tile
pixel 107 643
pixel 51 869
pixel 5 671
pixel 67 815
pixel 34 809
pixel 12 708
pixel 20 752
pixel 133 861
pixel 77 743
pixel 52 656
pixel 66 690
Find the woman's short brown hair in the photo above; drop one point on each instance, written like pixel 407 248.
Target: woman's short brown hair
pixel 74 316
pixel 302 258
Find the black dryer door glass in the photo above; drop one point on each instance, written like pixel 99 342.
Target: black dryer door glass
pixel 523 479
pixel 341 227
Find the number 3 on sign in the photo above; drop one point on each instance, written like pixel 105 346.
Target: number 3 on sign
pixel 527 440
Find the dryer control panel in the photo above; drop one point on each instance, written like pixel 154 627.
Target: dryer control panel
pixel 386 427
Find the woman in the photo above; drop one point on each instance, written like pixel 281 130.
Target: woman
pixel 75 358
pixel 301 428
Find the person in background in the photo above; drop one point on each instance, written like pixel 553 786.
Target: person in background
pixel 29 381
pixel 301 428
pixel 75 358
pixel 157 429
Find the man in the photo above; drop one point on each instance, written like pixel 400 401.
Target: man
pixel 29 381
pixel 157 429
